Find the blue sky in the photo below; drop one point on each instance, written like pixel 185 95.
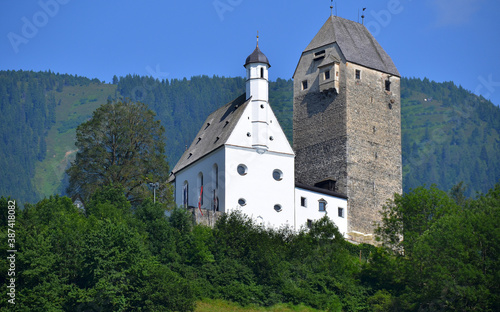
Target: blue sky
pixel 444 40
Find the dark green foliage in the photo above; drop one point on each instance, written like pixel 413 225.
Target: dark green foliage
pixel 123 144
pixel 447 258
pixel 124 258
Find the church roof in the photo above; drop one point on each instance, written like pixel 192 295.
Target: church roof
pixel 356 43
pixel 214 133
pixel 257 57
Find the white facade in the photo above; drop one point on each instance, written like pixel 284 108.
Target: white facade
pixel 312 206
pixel 253 170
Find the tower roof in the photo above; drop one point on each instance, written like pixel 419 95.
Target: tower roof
pixel 356 43
pixel 257 57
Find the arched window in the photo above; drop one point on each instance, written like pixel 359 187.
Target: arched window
pixel 215 191
pixel 185 194
pixel 200 187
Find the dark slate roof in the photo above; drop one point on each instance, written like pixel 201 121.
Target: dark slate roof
pixel 319 190
pixel 356 43
pixel 214 133
pixel 257 57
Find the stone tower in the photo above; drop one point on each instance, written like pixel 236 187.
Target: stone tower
pixel 347 121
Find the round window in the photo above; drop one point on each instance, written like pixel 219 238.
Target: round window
pixel 242 202
pixel 277 207
pixel 277 175
pixel 242 169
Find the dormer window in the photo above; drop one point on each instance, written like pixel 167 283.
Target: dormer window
pixel 318 55
pixel 327 74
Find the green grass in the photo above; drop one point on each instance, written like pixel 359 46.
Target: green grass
pixel 75 107
pixel 209 305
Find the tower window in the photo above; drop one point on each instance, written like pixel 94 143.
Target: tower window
pixel 262 72
pixel 304 85
pixel 387 85
pixel 358 74
pixel 341 212
pixel 303 202
pixel 327 75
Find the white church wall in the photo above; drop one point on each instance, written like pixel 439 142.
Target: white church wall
pixel 191 175
pixel 311 209
pixel 256 191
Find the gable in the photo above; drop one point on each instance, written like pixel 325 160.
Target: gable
pixel 239 136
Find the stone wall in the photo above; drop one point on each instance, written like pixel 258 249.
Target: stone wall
pixel 374 170
pixel 209 217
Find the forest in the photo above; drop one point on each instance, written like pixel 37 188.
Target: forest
pixel 115 256
pixel 449 135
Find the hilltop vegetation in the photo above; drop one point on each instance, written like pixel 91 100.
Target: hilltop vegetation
pixel 448 134
pixel 115 256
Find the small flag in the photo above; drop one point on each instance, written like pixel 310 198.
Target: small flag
pixel 199 200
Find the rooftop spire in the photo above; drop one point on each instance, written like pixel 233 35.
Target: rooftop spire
pixel 331 8
pixel 257 38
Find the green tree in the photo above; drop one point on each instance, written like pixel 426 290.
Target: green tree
pixel 121 144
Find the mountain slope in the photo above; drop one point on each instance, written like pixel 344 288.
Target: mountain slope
pixel 448 134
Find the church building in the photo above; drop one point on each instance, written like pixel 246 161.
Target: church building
pixel 346 158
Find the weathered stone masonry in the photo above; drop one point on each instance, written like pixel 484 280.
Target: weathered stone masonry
pixel 347 123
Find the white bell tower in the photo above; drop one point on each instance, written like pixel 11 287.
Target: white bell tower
pixel 257 87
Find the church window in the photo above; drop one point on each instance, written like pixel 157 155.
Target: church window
pixel 242 202
pixel 215 175
pixel 277 207
pixel 322 205
pixel 327 75
pixel 387 85
pixel 262 72
pixel 200 187
pixel 341 212
pixel 185 194
pixel 304 85
pixel 303 202
pixel 277 175
pixel 242 169
pixel 358 74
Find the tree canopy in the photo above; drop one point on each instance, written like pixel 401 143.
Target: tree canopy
pixel 121 144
